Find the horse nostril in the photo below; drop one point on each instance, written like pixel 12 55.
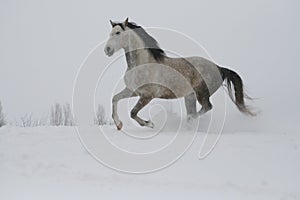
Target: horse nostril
pixel 109 51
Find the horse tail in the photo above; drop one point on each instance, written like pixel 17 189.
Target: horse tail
pixel 232 78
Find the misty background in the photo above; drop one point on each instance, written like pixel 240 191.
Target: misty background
pixel 43 44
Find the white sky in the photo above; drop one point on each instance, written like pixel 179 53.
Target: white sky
pixel 44 42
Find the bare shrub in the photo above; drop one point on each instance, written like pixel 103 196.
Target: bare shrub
pixel 61 115
pixel 68 116
pixel 27 120
pixel 100 118
pixel 56 115
pixel 2 118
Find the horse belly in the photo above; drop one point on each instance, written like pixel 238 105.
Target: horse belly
pixel 158 81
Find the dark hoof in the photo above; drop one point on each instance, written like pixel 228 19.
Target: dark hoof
pixel 119 126
pixel 149 124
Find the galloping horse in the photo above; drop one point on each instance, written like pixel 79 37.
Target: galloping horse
pixel 203 76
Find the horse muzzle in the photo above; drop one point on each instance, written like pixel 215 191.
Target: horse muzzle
pixel 108 51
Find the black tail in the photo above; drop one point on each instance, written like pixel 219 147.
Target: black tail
pixel 232 77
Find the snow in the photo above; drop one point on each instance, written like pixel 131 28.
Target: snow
pixel 51 163
pixel 255 158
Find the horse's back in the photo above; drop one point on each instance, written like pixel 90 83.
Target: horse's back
pixel 178 75
pixel 200 70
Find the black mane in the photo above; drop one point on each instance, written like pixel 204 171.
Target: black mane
pixel 150 43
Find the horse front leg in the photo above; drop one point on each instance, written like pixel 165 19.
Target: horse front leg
pixel 142 102
pixel 125 93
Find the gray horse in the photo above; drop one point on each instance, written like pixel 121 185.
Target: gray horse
pixel 152 74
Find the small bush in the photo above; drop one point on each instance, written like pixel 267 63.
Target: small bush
pixel 100 118
pixel 2 118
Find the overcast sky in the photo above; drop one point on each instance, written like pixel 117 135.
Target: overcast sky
pixel 43 44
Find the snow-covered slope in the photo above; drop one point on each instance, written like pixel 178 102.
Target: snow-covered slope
pixel 50 163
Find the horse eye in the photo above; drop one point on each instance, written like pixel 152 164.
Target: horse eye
pixel 118 33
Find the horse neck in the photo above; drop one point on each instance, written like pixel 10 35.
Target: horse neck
pixel 136 53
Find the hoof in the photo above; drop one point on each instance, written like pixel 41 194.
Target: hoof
pixel 149 124
pixel 119 126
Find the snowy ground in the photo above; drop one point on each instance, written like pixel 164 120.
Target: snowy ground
pixel 50 163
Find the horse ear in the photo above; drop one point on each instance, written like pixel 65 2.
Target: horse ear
pixel 112 23
pixel 126 21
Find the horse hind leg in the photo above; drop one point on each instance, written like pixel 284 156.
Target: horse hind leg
pixel 202 95
pixel 142 102
pixel 190 105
